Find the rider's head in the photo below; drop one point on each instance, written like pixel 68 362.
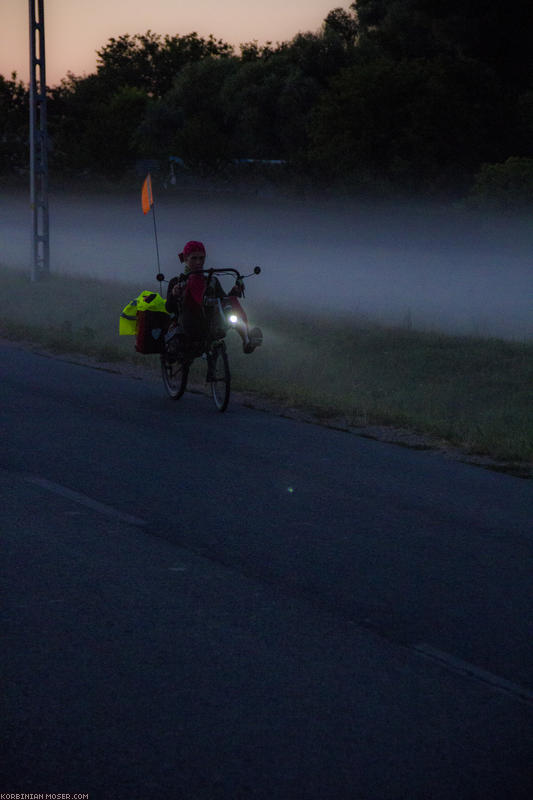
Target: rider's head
pixel 193 256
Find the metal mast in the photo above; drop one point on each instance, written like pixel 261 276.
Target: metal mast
pixel 38 144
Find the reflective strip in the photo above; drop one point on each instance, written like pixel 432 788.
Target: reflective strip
pixel 127 316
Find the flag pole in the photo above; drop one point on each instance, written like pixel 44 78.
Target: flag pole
pixel 155 235
pixel 147 201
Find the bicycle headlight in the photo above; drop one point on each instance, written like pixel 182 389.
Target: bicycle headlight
pixel 233 319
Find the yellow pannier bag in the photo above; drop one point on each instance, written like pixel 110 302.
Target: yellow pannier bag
pixel 146 301
pixel 127 325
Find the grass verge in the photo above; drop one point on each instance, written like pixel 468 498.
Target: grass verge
pixel 475 394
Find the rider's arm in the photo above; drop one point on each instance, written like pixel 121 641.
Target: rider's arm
pixel 174 290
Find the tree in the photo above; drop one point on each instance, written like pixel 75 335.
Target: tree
pixel 318 56
pixel 494 33
pixel 434 89
pixel 252 96
pixel 156 135
pixel 507 186
pixel 107 119
pixel 418 124
pixel 151 62
pixel 343 24
pixel 203 137
pixel 415 94
pixel 275 88
pixel 112 136
pixel 14 124
pixel 91 129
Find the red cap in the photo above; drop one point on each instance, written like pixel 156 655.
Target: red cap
pixel 191 247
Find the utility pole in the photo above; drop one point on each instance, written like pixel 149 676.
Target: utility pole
pixel 38 144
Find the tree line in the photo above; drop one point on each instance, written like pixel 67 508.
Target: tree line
pixel 416 96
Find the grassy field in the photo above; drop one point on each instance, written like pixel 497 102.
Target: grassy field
pixel 476 394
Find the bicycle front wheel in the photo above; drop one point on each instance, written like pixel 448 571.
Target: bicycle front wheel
pixel 175 374
pixel 220 377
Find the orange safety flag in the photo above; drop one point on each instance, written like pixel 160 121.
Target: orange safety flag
pixel 147 197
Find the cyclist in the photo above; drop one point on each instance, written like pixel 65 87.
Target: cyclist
pixel 185 296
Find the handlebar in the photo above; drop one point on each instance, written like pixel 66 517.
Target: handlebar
pixel 208 272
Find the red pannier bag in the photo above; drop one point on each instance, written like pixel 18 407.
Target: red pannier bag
pixel 151 329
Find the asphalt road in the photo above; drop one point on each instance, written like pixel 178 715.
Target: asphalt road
pixel 215 606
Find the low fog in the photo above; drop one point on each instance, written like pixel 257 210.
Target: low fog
pixel 434 269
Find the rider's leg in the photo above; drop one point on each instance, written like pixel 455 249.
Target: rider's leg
pixel 186 332
pixel 194 326
pixel 250 338
pixel 174 337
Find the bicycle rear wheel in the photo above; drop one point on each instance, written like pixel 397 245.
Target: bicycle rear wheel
pixel 175 374
pixel 220 377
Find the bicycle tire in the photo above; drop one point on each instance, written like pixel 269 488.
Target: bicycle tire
pixel 175 375
pixel 221 378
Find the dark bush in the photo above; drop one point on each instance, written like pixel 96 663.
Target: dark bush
pixel 504 186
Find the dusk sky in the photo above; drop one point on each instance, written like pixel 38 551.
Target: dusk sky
pixel 75 29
